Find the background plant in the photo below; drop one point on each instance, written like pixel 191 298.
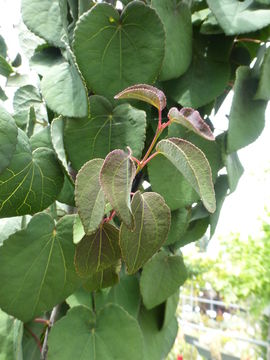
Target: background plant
pixel 69 135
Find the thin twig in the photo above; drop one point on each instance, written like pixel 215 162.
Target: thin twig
pixel 34 337
pixel 53 316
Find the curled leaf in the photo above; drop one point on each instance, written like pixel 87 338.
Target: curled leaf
pixel 191 119
pixel 144 92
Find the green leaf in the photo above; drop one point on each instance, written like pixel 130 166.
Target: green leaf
pixel 3 95
pixel 44 19
pixel 104 278
pixel 66 195
pixel 31 121
pixel 192 163
pixel 17 61
pixel 195 231
pixel 239 17
pixel 170 183
pixel 97 251
pixel 263 91
pixel 8 138
pixel 116 177
pixel 26 97
pixel 57 133
pixel 144 92
pixel 157 342
pixel 5 68
pixel 209 70
pixel 179 224
pixel 11 332
pixel 31 182
pixel 114 44
pixel 170 308
pixel 9 226
pixel 89 196
pixel 234 170
pixel 93 336
pixel 64 91
pixel 44 58
pixel 107 129
pixel 126 294
pixel 41 139
pixel 161 277
pixel 36 267
pixel 80 297
pixel 192 120
pixel 31 350
pixel 221 190
pixel 3 47
pixel 246 120
pixel 176 18
pixel 152 224
pixel 78 230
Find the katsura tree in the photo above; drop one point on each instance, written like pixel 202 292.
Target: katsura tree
pixel 110 164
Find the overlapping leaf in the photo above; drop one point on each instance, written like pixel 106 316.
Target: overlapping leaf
pixel 239 16
pixel 89 196
pixel 246 120
pixel 152 224
pixel 44 19
pixel 31 182
pixel 116 179
pixel 97 251
pixel 104 278
pixel 107 129
pixel 64 91
pixel 146 93
pixel 36 267
pixel 192 163
pixel 92 336
pixel 176 18
pixel 161 277
pixel 114 44
pixel 8 138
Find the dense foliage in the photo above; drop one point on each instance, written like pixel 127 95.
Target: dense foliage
pixel 81 147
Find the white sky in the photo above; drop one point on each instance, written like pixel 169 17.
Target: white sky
pixel 242 209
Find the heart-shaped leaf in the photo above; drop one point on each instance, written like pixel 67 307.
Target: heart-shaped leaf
pixel 152 224
pixel 31 182
pixel 106 129
pixel 161 277
pixel 89 196
pixel 64 90
pixel 8 138
pixel 92 336
pixel 36 267
pixel 98 251
pixel 192 163
pixel 116 179
pixel 144 92
pixel 114 44
pixel 192 120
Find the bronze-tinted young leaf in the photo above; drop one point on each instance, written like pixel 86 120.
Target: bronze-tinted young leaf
pixel 192 120
pixel 89 196
pixel 193 164
pixel 152 224
pixel 116 179
pixel 98 251
pixel 144 92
